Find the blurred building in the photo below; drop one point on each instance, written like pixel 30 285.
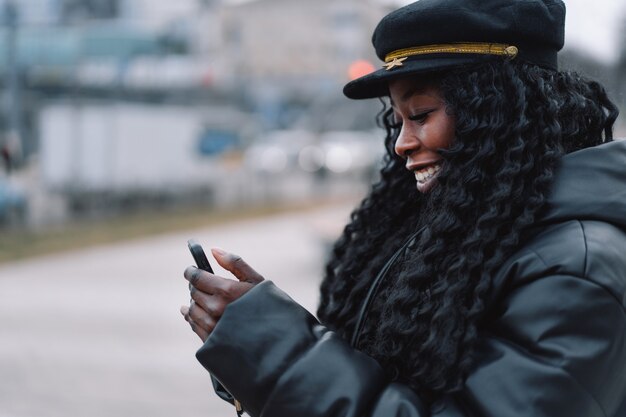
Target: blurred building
pixel 105 42
pixel 54 12
pixel 148 13
pixel 34 12
pixel 295 40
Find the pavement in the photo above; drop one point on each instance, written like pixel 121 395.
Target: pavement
pixel 97 332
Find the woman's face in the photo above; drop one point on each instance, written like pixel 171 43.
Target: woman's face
pixel 420 111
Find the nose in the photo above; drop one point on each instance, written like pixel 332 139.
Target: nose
pixel 406 143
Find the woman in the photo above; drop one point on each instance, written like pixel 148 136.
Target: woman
pixel 485 274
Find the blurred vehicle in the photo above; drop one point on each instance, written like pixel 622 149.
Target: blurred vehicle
pixel 343 153
pixel 215 141
pixel 351 152
pixel 277 152
pixel 356 153
pixel 13 204
pixel 135 152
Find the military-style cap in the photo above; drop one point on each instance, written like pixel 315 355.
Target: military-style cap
pixel 437 35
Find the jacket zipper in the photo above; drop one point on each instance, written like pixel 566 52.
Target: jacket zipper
pixel 371 293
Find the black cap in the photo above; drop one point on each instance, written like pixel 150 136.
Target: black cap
pixel 435 35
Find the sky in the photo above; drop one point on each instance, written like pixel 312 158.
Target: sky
pixel 594 26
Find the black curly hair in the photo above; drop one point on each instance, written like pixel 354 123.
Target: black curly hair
pixel 514 121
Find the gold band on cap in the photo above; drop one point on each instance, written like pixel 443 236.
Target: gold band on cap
pixel 396 58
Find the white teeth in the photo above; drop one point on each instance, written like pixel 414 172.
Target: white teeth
pixel 422 177
pixel 425 174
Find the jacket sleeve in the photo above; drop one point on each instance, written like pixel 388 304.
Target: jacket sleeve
pixel 276 359
pixel 547 355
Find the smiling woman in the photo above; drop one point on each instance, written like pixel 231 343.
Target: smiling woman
pixel 484 274
pixel 425 127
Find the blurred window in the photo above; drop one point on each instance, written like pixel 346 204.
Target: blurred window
pixel 217 141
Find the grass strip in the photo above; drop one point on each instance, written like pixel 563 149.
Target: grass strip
pixel 21 244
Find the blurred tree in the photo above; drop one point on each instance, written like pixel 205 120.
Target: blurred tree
pixel 73 11
pixel 584 64
pixel 620 68
pixel 208 3
pixel 172 42
pixel 611 76
pixel 620 79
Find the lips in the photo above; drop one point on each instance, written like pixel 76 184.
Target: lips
pixel 426 172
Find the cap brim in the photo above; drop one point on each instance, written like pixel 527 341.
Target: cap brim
pixel 375 84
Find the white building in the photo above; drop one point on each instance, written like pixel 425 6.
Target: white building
pixel 296 39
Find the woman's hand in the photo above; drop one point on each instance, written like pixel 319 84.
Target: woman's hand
pixel 211 294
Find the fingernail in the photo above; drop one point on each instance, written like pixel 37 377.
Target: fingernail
pixel 189 270
pixel 218 251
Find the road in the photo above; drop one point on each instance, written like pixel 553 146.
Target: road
pixel 97 332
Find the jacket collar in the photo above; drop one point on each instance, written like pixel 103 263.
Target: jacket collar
pixel 590 184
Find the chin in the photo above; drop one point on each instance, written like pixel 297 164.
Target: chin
pixel 426 186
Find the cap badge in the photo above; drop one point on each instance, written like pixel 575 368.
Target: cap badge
pixel 511 51
pixel 397 62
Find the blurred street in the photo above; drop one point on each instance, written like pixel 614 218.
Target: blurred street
pixel 97 332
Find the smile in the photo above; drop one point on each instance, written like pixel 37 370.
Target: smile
pixel 427 173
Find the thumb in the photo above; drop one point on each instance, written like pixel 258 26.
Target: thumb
pixel 237 266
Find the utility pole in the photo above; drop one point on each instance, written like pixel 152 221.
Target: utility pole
pixel 12 144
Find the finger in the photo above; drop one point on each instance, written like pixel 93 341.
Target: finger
pixel 213 305
pixel 237 266
pixel 207 282
pixel 202 318
pixel 202 334
pixel 184 310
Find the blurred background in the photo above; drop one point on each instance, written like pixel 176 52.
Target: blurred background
pixel 129 126
pixel 117 106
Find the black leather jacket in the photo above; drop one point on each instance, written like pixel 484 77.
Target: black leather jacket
pixel 554 343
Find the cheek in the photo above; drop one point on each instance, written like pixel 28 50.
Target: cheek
pixel 447 132
pixel 438 135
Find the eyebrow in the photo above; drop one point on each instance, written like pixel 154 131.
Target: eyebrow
pixel 412 91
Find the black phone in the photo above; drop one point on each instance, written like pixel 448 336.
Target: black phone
pixel 203 263
pixel 199 256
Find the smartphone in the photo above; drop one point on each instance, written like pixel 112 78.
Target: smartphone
pixel 203 263
pixel 199 256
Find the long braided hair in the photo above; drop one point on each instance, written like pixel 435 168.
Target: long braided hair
pixel 514 121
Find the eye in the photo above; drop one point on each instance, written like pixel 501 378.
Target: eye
pixel 421 117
